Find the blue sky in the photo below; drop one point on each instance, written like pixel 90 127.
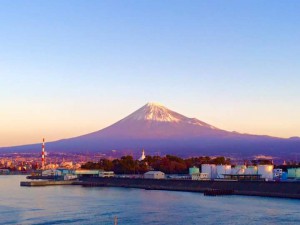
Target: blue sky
pixel 73 67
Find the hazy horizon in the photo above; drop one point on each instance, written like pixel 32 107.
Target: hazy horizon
pixel 68 69
pixel 154 113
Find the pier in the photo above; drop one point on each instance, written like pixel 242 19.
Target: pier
pixel 208 187
pixel 38 183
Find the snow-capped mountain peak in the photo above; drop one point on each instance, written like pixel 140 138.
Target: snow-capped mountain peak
pixel 155 112
pixel 154 120
pixel 154 104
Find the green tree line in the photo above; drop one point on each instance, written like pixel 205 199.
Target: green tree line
pixel 168 164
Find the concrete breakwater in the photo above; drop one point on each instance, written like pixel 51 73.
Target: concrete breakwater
pixel 47 183
pixel 252 188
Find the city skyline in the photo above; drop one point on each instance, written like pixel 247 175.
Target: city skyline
pixel 233 65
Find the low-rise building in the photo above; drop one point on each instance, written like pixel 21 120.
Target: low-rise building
pixel 277 173
pixel 200 176
pixel 154 175
pixel 52 172
pixel 106 174
pixel 87 173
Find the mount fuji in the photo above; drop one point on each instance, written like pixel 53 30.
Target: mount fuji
pixel 154 121
pixel 160 130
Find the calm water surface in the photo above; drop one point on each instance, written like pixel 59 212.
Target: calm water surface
pixel 97 205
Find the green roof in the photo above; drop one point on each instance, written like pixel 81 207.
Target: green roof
pixel 87 172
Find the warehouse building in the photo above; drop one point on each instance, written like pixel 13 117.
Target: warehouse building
pixel 154 175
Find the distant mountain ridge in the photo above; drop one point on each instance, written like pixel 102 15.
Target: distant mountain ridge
pixel 161 130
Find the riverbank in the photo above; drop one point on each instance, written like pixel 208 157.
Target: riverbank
pixel 251 188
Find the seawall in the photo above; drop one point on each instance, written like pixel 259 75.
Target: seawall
pixel 46 183
pixel 252 188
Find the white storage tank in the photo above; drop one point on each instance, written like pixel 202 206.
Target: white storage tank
pixel 223 169
pixel 251 170
pixel 266 171
pixel 194 170
pixel 238 170
pixel 210 169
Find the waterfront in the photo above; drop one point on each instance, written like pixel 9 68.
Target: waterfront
pixel 97 205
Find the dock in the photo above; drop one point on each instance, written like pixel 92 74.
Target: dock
pixel 213 188
pixel 38 183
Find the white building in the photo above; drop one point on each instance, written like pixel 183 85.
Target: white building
pixel 154 175
pixel 106 174
pixel 143 156
pixel 51 172
pixel 200 176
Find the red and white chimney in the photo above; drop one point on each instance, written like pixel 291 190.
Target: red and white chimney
pixel 43 155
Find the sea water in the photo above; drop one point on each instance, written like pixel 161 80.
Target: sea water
pixel 102 205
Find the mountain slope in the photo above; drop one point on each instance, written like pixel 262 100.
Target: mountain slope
pixel 154 121
pixel 161 130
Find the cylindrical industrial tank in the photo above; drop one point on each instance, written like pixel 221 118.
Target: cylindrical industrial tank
pixel 266 171
pixel 294 173
pixel 284 176
pixel 223 169
pixel 251 170
pixel 297 173
pixel 194 170
pixel 210 169
pixel 238 170
pixel 206 168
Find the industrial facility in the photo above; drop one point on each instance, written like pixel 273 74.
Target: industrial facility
pixel 206 172
pixel 243 172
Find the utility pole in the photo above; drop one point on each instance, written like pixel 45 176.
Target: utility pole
pixel 116 220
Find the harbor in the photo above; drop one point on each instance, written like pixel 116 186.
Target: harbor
pixel 225 187
pixel 210 179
